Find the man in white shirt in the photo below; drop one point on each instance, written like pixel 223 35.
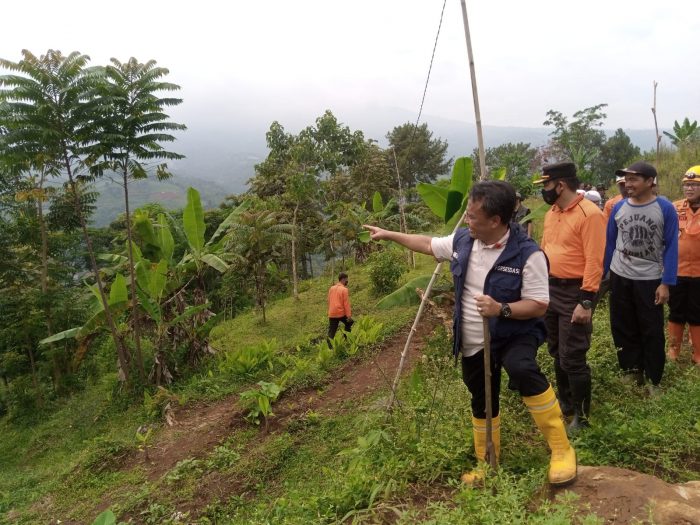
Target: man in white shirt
pixel 502 275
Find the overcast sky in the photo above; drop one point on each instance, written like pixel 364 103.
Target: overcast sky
pixel 290 60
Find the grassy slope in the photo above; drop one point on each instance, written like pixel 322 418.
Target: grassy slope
pixel 318 470
pixel 36 460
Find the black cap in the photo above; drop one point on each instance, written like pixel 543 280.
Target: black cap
pixel 644 169
pixel 560 170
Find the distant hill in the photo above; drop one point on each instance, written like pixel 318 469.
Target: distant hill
pixel 228 156
pixel 172 194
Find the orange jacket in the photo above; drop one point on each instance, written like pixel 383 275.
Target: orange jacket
pixel 688 239
pixel 609 204
pixel 574 242
pixel 339 301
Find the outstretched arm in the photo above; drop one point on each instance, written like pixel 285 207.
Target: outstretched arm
pixel 412 241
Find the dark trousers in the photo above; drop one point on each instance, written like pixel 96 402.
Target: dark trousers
pixel 637 326
pixel 684 301
pixel 333 323
pixel 517 355
pixel 568 344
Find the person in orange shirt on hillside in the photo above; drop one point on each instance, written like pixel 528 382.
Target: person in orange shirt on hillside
pixel 684 301
pixel 622 193
pixel 573 239
pixel 339 306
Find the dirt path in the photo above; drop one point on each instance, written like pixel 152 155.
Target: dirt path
pixel 201 427
pixel 623 496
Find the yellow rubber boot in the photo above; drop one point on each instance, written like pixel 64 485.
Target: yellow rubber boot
pixel 477 475
pixel 695 341
pixel 675 339
pixel 547 415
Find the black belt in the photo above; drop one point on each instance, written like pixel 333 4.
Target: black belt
pixel 556 281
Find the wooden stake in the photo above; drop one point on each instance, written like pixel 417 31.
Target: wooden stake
pixel 490 449
pixel 656 125
pixel 475 94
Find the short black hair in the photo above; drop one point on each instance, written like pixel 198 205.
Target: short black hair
pixel 496 197
pixel 342 275
pixel 571 183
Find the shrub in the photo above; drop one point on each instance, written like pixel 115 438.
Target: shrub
pixel 385 269
pixel 250 359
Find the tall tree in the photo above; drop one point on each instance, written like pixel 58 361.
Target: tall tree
pixel 134 127
pixel 519 161
pixel 374 171
pixel 301 191
pixel 421 158
pixel 618 151
pixel 258 237
pixel 580 139
pixel 52 105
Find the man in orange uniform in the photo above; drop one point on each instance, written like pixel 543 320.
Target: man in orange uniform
pixel 684 300
pixel 622 193
pixel 339 306
pixel 574 241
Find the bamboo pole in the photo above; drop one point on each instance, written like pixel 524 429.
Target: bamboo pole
pixel 475 94
pixel 656 125
pixel 490 449
pixel 482 164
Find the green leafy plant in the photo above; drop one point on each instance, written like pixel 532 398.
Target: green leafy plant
pixel 144 435
pixel 365 332
pixel 385 269
pixel 107 518
pixel 250 359
pixel 259 402
pixel 186 468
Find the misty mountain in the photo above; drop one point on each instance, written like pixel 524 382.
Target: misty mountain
pixel 220 160
pixel 228 156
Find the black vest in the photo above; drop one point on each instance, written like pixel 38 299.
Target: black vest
pixel 503 283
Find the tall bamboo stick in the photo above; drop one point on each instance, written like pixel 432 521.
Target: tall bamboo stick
pixel 490 449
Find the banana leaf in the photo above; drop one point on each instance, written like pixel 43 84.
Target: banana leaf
pixel 66 334
pixel 165 240
pixel 118 292
pixel 193 221
pixel 228 221
pixel 435 197
pixel 377 204
pixel 406 295
pixel 498 174
pixel 537 214
pixel 460 184
pixel 215 262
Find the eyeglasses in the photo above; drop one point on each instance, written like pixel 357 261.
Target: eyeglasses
pixel 691 185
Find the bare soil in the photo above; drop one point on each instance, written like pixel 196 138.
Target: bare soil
pixel 622 496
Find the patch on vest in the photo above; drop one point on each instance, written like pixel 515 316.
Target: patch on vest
pixel 507 269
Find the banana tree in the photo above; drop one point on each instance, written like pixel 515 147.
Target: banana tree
pixel 169 294
pixel 118 301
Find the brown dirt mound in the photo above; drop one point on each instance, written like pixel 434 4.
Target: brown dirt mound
pixel 623 496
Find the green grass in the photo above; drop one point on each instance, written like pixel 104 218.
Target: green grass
pixel 60 455
pixel 354 463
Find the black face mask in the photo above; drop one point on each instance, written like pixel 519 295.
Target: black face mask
pixel 550 196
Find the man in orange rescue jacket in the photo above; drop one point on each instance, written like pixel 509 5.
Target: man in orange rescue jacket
pixel 685 296
pixel 339 306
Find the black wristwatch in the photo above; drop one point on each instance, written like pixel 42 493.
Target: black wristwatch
pixel 586 304
pixel 506 312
